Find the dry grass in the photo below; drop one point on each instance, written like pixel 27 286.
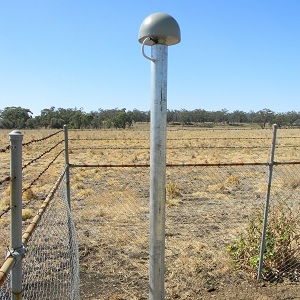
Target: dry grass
pixel 206 208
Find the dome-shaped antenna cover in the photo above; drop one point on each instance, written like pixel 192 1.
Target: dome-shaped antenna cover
pixel 161 28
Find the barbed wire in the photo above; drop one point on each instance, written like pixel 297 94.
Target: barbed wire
pixel 186 139
pixel 4 180
pixel 36 179
pixel 42 139
pixel 4 212
pixel 32 183
pixel 173 165
pixel 182 147
pixel 41 155
pixel 31 142
pixel 41 173
pixel 231 164
pixel 5 149
pixel 171 128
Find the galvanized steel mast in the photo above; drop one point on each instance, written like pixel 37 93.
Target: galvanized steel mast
pixel 159 31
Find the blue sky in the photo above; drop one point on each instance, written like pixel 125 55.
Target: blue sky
pixel 234 54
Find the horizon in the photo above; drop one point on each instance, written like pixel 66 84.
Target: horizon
pixel 127 110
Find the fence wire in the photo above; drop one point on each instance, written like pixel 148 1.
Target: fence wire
pixel 208 210
pixel 51 264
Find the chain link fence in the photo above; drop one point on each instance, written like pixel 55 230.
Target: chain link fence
pixel 209 211
pixel 51 263
pixel 214 219
pixel 282 255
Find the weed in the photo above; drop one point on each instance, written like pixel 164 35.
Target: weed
pixel 27 214
pixel 85 192
pixel 173 189
pixel 4 203
pixel 79 186
pixel 281 244
pixel 29 195
pixel 232 179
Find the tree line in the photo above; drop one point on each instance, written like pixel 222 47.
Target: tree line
pixel 21 118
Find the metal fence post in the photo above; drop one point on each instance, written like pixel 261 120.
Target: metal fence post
pixel 158 30
pixel 16 246
pixel 67 165
pixel 265 221
pixel 74 288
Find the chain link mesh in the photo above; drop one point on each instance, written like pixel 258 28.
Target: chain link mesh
pixel 208 208
pixel 51 264
pixel 282 256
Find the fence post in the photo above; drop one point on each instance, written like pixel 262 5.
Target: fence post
pixel 158 30
pixel 73 282
pixel 16 246
pixel 265 221
pixel 67 166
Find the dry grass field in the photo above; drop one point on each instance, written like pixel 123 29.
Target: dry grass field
pixel 208 207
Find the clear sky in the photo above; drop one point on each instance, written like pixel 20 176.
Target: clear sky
pixel 234 54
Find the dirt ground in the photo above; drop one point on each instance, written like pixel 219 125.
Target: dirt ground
pixel 202 219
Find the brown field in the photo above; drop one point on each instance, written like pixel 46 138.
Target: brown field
pixel 207 208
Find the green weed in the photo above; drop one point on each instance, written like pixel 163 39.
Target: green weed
pixel 281 244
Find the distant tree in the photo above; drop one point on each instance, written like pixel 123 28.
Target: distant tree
pixel 121 119
pixel 199 115
pixel 97 121
pixel 76 120
pixel 32 123
pixel 139 116
pixel 220 116
pixel 292 117
pixel 14 117
pixel 86 120
pixel 18 117
pixel 184 117
pixel 237 116
pixel 56 123
pixel 46 115
pixel 264 116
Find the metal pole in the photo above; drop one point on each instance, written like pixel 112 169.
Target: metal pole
pixel 158 169
pixel 67 165
pixel 16 245
pixel 67 174
pixel 265 222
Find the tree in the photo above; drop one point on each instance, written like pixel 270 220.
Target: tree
pixel 292 117
pixel 238 116
pixel 32 123
pixel 121 119
pixel 14 117
pixel 265 116
pixel 46 115
pixel 56 123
